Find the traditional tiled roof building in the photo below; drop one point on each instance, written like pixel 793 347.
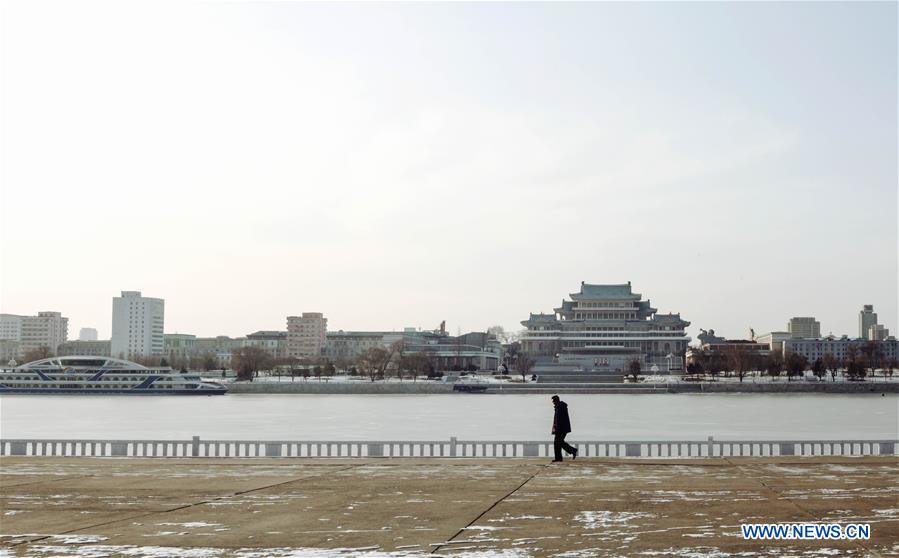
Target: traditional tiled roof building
pixel 604 327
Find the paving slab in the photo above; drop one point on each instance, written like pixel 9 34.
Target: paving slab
pixel 372 508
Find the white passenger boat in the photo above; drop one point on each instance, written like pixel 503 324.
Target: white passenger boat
pixel 89 375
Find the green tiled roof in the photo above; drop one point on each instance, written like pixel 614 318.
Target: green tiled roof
pixel 605 291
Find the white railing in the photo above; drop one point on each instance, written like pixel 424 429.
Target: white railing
pixel 453 447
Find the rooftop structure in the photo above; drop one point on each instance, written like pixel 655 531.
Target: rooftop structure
pixel 602 328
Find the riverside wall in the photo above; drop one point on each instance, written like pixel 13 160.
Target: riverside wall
pixel 374 388
pixel 395 388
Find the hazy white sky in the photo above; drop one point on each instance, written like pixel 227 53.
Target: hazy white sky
pixel 397 165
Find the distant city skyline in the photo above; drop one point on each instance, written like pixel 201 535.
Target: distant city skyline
pixel 404 164
pixel 693 329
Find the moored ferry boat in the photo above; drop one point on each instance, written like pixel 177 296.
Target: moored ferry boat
pixel 90 375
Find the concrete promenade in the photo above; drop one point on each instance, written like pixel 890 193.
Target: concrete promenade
pixel 201 508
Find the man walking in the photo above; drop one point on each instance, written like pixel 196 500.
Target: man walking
pixel 561 427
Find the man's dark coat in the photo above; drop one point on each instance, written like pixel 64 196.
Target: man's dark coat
pixel 561 422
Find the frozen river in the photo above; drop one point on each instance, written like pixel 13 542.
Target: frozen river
pixel 437 417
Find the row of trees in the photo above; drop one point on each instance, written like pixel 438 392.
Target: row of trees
pixel 859 363
pixel 375 363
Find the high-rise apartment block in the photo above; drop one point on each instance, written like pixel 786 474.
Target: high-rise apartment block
pixel 46 330
pixel 866 318
pixel 87 334
pixel 137 325
pixel 306 335
pixel 804 328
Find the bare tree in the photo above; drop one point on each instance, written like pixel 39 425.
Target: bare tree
pixel 524 364
pixel 416 364
pixel 818 368
pixel 373 362
pixel 832 364
pixel 396 359
pixel 795 364
pixel 774 364
pixel 855 369
pixel 208 361
pixel 499 333
pixel 634 368
pixel 873 356
pixel 891 364
pixel 739 360
pixel 329 369
pixel 37 354
pixel 248 361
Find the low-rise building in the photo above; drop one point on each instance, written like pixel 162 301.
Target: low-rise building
pixel 774 340
pixel 272 342
pixel 218 344
pixel 476 350
pixel 471 351
pixel 813 349
pixel 348 345
pixel 85 348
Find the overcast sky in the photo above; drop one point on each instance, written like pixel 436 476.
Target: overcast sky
pixel 397 165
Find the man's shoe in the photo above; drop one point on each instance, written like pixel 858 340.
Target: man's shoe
pixel 556 461
pixel 574 455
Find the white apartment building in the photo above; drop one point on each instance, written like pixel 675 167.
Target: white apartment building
pixel 137 325
pixel 11 327
pixel 87 334
pixel 804 328
pixel 47 329
pixel 306 335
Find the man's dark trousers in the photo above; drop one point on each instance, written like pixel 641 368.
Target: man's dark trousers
pixel 560 444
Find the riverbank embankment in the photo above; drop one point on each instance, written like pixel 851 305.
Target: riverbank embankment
pixel 396 388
